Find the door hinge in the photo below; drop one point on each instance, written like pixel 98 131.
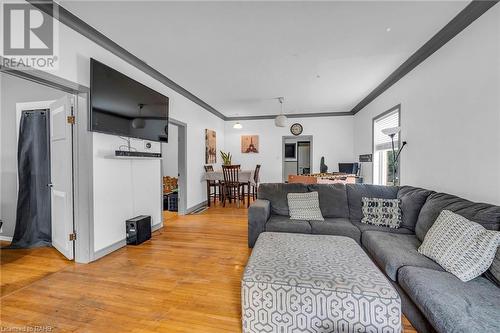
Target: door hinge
pixel 72 236
pixel 71 120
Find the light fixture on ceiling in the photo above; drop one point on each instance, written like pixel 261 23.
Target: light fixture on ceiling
pixel 280 120
pixel 237 125
pixel 388 29
pixel 139 122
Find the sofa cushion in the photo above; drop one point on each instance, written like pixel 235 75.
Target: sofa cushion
pixel 304 206
pixel 392 251
pixel 451 305
pixel 486 215
pixel 280 223
pixel 411 201
pixel 356 191
pixel 337 227
pixel 332 199
pixel 464 248
pixel 277 193
pixel 258 214
pixel 367 227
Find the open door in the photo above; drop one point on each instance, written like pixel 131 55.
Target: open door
pixel 61 173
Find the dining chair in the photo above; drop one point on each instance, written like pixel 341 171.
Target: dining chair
pixel 232 188
pixel 255 185
pixel 212 184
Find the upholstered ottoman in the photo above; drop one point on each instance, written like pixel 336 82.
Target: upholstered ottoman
pixel 315 283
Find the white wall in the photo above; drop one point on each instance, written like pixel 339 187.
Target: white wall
pixel 74 65
pixel 332 138
pixel 170 153
pixel 450 116
pixel 123 189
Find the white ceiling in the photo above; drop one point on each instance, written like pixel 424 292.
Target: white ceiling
pixel 238 56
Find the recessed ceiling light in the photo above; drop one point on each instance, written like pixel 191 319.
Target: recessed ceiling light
pixel 388 29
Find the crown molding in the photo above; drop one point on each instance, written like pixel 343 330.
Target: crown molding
pixel 292 115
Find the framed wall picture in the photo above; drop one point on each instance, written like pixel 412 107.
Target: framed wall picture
pixel 249 144
pixel 210 147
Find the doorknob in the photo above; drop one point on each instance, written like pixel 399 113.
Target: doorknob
pixel 50 185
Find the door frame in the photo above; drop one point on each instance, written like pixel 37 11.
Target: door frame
pixel 181 166
pixel 298 138
pixel 82 157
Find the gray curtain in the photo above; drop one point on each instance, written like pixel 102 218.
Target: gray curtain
pixel 33 220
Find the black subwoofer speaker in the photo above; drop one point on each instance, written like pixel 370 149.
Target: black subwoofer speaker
pixel 138 229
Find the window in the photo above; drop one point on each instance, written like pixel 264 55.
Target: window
pixel 383 159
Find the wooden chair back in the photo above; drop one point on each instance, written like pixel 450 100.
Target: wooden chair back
pixel 256 174
pixel 210 168
pixel 231 174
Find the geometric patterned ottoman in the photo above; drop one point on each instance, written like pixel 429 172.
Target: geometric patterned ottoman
pixel 315 283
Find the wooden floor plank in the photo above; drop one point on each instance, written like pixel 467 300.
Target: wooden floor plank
pixel 185 279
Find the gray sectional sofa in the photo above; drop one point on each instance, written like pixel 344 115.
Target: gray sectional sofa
pixel 432 299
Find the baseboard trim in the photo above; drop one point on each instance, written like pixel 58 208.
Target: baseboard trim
pixel 6 238
pixel 118 245
pixel 108 249
pixel 196 207
pixel 156 227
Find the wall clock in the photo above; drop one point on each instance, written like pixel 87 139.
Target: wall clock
pixel 296 129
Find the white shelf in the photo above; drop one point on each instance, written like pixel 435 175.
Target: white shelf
pixel 114 157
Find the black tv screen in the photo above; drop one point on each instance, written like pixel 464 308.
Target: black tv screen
pixel 289 150
pixel 125 107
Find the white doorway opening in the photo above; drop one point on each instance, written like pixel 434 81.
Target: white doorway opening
pixel 297 155
pixel 61 168
pixel 174 170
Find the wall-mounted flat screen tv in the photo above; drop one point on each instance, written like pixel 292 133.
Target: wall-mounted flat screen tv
pixel 125 107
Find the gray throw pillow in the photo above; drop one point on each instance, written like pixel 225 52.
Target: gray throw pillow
pixel 462 247
pixel 381 212
pixel 304 206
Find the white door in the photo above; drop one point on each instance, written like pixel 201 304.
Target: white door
pixel 61 175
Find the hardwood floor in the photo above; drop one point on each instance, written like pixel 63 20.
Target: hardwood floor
pixel 186 279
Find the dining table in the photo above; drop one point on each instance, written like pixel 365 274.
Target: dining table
pixel 244 176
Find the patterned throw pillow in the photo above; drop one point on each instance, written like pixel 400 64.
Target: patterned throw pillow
pixel 304 206
pixel 381 212
pixel 462 247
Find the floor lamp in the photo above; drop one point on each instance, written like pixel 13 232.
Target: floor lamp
pixel 391 132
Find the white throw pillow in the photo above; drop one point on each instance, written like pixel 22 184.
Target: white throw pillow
pixel 381 212
pixel 462 247
pixel 304 206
